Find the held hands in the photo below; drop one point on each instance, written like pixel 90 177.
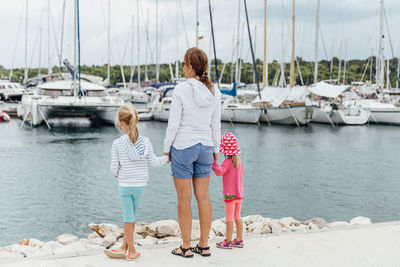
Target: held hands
pixel 215 155
pixel 168 155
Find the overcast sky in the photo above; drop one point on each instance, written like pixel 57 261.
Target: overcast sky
pixel 349 28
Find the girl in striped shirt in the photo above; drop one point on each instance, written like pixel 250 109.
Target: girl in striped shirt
pixel 130 154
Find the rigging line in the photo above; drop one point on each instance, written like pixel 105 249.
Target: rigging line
pixel 323 42
pixel 213 39
pixel 251 48
pixel 79 48
pixel 54 32
pixel 36 39
pixel 16 42
pixel 148 42
pixel 183 24
pixel 391 47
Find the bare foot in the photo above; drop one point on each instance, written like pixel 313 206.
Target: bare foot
pixel 132 256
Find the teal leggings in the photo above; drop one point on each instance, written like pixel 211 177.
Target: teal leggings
pixel 130 201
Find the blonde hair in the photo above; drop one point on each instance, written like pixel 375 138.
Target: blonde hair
pixel 235 160
pixel 128 114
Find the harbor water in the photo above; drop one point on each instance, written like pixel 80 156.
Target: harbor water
pixel 57 181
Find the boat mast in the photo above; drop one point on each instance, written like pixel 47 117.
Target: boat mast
pixel 26 44
pixel 197 23
pixel 177 40
pixel 62 38
pixel 381 57
pixel 132 41
pixel 316 44
pixel 49 70
pixel 292 63
pixel 75 45
pixel 157 46
pixel 282 77
pixel 255 49
pixel 146 77
pixel 138 41
pixel 344 64
pixel 237 46
pixel 265 64
pixel 40 51
pixel 109 43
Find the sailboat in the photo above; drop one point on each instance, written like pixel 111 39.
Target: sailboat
pixel 66 98
pixel 236 105
pixel 283 105
pixel 384 109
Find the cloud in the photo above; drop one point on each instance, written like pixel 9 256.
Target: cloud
pixel 349 26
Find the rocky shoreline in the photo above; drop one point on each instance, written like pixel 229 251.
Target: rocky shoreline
pixel 160 232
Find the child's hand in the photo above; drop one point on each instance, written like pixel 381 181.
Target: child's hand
pixel 215 156
pixel 168 155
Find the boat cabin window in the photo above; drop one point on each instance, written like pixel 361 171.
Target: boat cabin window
pixel 2 86
pixel 51 92
pixel 9 86
pixel 96 93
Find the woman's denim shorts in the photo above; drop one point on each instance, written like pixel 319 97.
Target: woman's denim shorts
pixel 192 162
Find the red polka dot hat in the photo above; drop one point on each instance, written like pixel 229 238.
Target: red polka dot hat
pixel 229 145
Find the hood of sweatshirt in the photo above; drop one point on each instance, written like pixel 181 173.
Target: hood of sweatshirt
pixel 202 95
pixel 135 151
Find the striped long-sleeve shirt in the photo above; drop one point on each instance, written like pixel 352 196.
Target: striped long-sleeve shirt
pixel 129 161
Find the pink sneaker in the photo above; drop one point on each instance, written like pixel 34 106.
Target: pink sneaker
pixel 225 245
pixel 238 244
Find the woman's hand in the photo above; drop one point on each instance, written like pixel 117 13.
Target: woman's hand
pixel 215 156
pixel 168 155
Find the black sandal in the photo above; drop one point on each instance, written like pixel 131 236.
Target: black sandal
pixel 199 250
pixel 183 252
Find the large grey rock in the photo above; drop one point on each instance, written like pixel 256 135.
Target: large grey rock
pixel 288 222
pixel 163 228
pixel 35 243
pixel 50 246
pixel 105 229
pixel 109 240
pixel 149 240
pixel 142 228
pixel 259 227
pixel 66 239
pixel 319 222
pixel 247 220
pixel 93 235
pixel 219 227
pixel 360 220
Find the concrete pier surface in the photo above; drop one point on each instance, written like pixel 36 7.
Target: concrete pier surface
pixel 361 245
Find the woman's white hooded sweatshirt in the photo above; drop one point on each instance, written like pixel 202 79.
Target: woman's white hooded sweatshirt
pixel 195 117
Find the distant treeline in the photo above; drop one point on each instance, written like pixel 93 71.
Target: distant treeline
pixel 354 71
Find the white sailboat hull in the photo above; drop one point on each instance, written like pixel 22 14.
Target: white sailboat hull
pixel 288 116
pixel 240 115
pixel 382 113
pixel 34 110
pixel 338 117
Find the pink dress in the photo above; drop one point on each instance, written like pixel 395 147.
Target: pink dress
pixel 232 179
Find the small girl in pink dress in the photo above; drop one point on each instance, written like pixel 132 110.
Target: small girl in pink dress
pixel 232 179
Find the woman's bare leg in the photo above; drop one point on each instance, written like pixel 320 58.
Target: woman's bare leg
pixel 200 186
pixel 184 192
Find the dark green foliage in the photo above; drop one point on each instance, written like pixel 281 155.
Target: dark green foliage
pixel 354 71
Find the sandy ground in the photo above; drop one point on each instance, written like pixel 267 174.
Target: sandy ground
pixel 367 245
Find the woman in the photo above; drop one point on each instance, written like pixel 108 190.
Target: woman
pixel 192 143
